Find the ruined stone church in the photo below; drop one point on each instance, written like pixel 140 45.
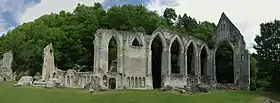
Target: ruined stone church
pixel 141 65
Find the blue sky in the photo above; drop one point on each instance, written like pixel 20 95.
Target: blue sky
pixel 10 9
pixel 246 15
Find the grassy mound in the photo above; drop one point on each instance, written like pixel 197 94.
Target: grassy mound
pixel 9 94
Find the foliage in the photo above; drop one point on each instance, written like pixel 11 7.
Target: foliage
pixel 170 16
pixel 267 47
pixel 72 33
pixel 253 73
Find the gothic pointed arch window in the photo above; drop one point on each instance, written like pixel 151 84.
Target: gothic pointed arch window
pixel 136 42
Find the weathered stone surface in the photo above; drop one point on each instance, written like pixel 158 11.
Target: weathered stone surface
pixel 90 90
pixel 25 81
pixel 6 73
pixel 53 82
pixel 48 69
pixel 133 68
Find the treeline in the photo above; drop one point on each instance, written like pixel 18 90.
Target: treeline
pixel 268 56
pixel 72 33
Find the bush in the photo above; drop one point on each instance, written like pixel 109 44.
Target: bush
pixel 253 85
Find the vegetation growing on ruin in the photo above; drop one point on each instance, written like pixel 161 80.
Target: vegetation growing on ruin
pixel 41 95
pixel 72 34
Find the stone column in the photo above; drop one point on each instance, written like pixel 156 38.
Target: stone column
pixel 149 62
pixel 149 77
pixel 96 54
pixel 185 56
pixel 181 61
pixel 209 67
pixel 196 66
pixel 236 65
pixel 213 70
pixel 165 67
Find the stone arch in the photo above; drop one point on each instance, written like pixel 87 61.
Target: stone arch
pixel 137 41
pixel 176 37
pixel 4 79
pixel 191 57
pixel 112 83
pixel 176 58
pixel 140 82
pixel 68 80
pixel 105 81
pixel 71 80
pixel 162 38
pixel 132 82
pixel 136 82
pixel 204 57
pixel 226 75
pixel 92 79
pixel 113 58
pixel 157 57
pixel 128 81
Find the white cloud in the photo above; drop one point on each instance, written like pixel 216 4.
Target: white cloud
pixel 245 14
pixel 52 6
pixel 2 26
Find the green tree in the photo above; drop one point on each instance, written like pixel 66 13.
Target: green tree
pixel 267 47
pixel 186 24
pixel 72 34
pixel 253 73
pixel 170 16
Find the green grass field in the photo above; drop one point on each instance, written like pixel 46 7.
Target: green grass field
pixel 9 94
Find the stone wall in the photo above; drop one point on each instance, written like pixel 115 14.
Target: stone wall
pixel 6 73
pixel 134 63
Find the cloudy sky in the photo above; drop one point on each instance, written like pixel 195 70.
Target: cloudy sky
pixel 245 14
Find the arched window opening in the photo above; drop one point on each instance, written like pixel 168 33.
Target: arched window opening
pixel 135 42
pixel 112 83
pixel 113 52
pixel 157 49
pixel 175 63
pixel 105 81
pixel 224 63
pixel 203 61
pixel 191 59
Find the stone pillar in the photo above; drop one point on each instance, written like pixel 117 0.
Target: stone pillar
pixel 198 67
pixel 96 54
pixel 149 77
pixel 48 65
pixel 209 67
pixel 165 67
pixel 213 70
pixel 181 61
pixel 236 65
pixel 186 62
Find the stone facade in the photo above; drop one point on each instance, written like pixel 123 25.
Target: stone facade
pixel 134 66
pixel 6 73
